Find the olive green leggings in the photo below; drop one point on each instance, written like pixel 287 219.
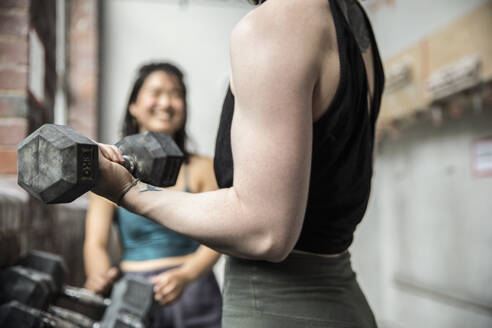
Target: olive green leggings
pixel 302 291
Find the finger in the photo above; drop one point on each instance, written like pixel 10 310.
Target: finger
pixel 168 289
pixel 114 154
pixel 110 152
pixel 159 289
pixel 117 153
pixel 160 280
pixel 159 299
pixel 169 298
pixel 154 279
pixel 158 296
pixel 105 152
pixel 163 290
pixel 162 301
pixel 164 298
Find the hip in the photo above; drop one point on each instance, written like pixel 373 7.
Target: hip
pixel 304 290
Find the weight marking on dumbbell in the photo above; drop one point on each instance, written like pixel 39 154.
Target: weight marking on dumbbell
pixel 87 158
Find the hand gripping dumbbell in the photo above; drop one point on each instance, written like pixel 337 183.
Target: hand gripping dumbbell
pixel 56 164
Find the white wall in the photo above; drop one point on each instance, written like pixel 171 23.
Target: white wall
pixel 404 22
pixel 423 249
pixel 422 252
pixel 195 36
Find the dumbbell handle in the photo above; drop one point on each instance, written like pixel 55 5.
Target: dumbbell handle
pixel 130 164
pixel 47 319
pixel 74 317
pixel 82 321
pixel 85 296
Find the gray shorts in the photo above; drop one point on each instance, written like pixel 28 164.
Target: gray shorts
pixel 302 291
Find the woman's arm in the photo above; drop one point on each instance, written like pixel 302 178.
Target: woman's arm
pixel 204 258
pixel 275 67
pixel 100 274
pixel 170 284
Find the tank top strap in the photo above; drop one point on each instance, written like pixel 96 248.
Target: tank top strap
pixel 378 70
pixel 375 98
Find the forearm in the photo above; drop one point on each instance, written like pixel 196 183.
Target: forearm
pixel 200 263
pixel 96 259
pixel 219 219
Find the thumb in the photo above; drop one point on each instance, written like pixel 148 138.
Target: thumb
pixel 157 279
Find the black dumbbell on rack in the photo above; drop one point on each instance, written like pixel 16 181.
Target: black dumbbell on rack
pixel 14 314
pixel 37 282
pixel 17 315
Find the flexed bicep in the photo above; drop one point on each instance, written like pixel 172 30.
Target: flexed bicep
pixel 271 134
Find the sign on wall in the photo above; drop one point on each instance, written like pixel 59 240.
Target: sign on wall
pixel 482 157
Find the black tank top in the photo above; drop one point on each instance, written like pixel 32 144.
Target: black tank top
pixel 343 140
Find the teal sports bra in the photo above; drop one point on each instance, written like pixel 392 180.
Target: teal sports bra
pixel 143 239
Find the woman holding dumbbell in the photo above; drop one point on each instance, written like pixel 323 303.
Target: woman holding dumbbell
pixel 179 267
pixel 294 161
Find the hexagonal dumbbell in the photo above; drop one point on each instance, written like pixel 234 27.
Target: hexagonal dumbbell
pixel 132 304
pixel 56 164
pixel 132 295
pixel 37 282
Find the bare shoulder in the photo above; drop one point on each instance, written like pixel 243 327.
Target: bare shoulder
pixel 290 20
pixel 202 173
pixel 201 162
pixel 201 165
pixel 282 34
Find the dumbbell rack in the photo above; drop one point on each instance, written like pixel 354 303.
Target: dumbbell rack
pixel 32 294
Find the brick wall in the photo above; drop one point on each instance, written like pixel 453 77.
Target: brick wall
pixel 19 112
pixel 83 66
pixel 14 23
pixel 26 223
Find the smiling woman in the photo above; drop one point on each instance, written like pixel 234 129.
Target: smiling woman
pixel 158 85
pixel 256 2
pixel 159 105
pixel 179 267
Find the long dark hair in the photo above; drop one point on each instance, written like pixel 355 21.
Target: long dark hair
pixel 130 124
pixel 256 2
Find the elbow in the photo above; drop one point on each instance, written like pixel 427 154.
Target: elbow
pixel 276 251
pixel 276 255
pixel 272 236
pixel 275 246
